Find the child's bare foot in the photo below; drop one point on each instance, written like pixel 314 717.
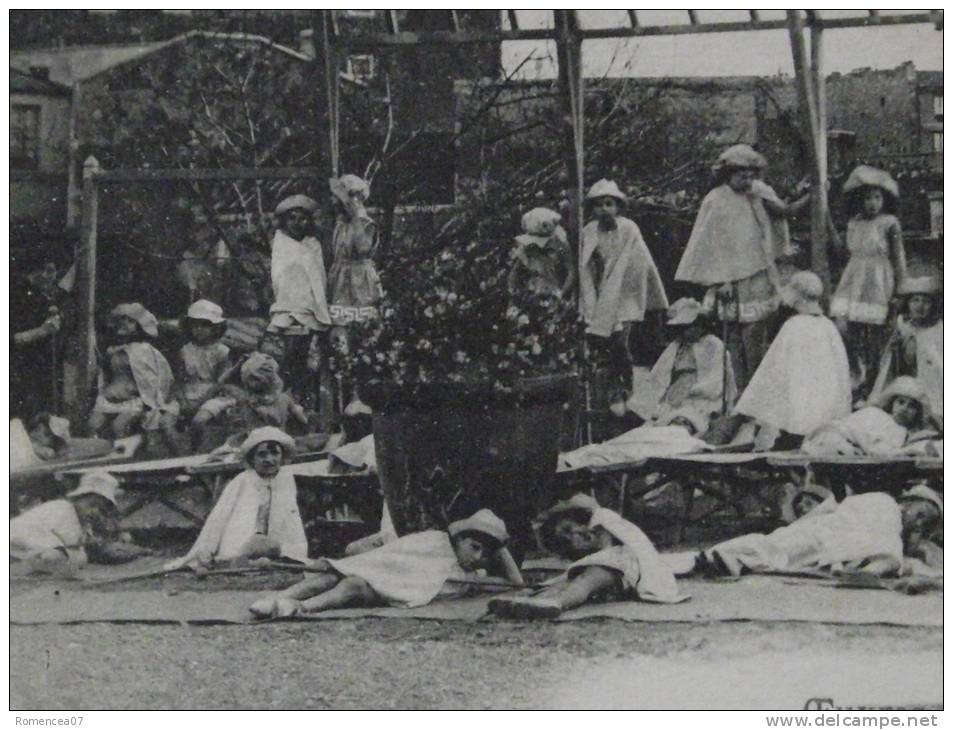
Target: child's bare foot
pixel 264 608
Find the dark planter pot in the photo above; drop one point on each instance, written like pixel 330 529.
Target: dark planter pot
pixel 443 452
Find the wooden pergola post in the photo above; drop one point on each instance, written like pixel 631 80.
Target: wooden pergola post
pixel 571 95
pixel 812 103
pixel 327 93
pixel 78 389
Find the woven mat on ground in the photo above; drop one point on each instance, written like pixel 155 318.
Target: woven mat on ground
pixel 753 598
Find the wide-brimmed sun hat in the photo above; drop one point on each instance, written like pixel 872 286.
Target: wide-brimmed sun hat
pixel 922 491
pixel 605 189
pixel 302 202
pixel 865 175
pixel 206 311
pixel 483 521
pixel 683 312
pixel 918 285
pixel 350 185
pixel 803 292
pixel 907 387
pixel 263 435
pixel 98 482
pixel 741 156
pixel 139 314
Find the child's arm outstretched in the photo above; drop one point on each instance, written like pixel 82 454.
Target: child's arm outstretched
pixel 897 253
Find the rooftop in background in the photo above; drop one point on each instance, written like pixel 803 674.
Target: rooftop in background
pixel 27 82
pixel 76 63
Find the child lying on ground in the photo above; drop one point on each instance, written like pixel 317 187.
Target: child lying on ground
pixel 70 532
pixel 257 515
pixel 898 424
pixel 871 533
pixel 410 571
pixel 614 560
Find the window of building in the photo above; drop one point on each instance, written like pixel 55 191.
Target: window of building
pixel 24 136
pixel 360 67
pixel 938 107
pixel 938 141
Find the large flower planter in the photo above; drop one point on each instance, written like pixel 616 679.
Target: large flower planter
pixel 444 452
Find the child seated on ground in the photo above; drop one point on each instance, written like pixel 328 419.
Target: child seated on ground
pixel 203 360
pixel 69 532
pixel 899 423
pixel 869 533
pixel 614 560
pixel 410 571
pixel 689 375
pixel 257 515
pixel 260 401
pixel 135 380
pixel 916 346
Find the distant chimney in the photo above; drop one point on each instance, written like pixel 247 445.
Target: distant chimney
pixel 40 72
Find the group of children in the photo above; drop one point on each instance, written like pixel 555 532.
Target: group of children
pixel 205 394
pixel 796 370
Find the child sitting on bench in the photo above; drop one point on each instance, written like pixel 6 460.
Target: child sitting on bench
pixel 410 571
pixel 614 560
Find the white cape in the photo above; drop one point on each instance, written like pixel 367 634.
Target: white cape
pixel 233 520
pixel 803 382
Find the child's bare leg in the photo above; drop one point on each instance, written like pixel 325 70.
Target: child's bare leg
pixel 581 587
pixel 311 587
pixel 124 423
pixel 96 422
pixel 349 592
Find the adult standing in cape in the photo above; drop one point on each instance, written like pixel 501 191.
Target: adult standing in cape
pixel 618 279
pixel 739 234
pixel 803 381
pixel 300 314
pixel 257 514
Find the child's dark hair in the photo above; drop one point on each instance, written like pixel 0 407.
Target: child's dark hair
pixel 187 323
pixel 548 538
pixel 854 200
pixel 489 543
pixel 936 308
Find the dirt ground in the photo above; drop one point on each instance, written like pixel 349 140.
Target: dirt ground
pixel 417 664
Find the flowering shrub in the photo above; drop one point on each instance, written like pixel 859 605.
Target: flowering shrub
pixel 451 320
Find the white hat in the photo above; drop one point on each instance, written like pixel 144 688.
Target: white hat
pixel 540 222
pixel 605 188
pixel 922 491
pixel 683 312
pixel 59 427
pixel 296 201
pixel 909 388
pixel 803 292
pixel 918 285
pixel 263 435
pixel 207 311
pixel 483 521
pixel 142 316
pixel 351 185
pixel 863 175
pixel 741 155
pixel 97 482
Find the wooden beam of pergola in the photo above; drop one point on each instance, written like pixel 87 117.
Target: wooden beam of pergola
pixel 633 30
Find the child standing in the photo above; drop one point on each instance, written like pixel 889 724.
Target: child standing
pixel 541 262
pixel 618 280
pixel 204 358
pixel 409 571
pixel 877 262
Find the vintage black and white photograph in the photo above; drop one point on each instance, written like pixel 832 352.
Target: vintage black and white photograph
pixel 425 359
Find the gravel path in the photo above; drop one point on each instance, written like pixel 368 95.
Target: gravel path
pixel 413 664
